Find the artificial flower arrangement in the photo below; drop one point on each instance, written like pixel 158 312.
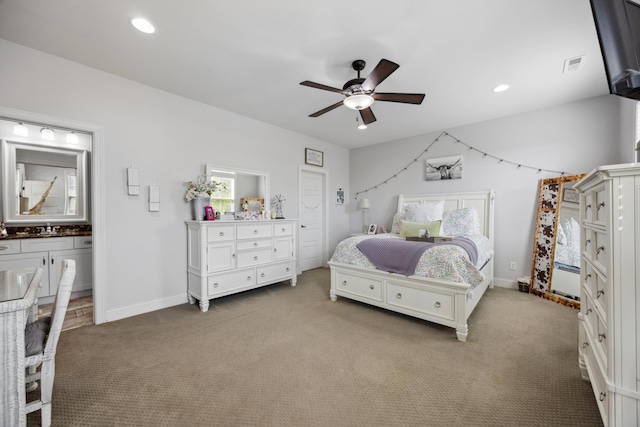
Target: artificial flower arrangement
pixel 202 184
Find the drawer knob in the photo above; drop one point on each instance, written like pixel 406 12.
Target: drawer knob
pixel 587 277
pixel 222 233
pixel 287 269
pixel 586 208
pixel 344 283
pixel 600 249
pixel 371 287
pixel 437 304
pixel 601 337
pixel 585 344
pixel 3 248
pixel 586 243
pixel 283 229
pixel 248 278
pixel 602 396
pixel 86 242
pixel 255 231
pixel 255 258
pixel 600 292
pixel 215 285
pixel 588 311
pixel 398 295
pixel 262 275
pixel 255 244
pixel 600 205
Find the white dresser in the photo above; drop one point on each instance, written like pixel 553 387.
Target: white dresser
pixel 226 257
pixel 609 325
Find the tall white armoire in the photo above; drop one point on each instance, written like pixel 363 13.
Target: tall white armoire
pixel 609 342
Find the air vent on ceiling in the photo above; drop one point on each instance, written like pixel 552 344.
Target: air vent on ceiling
pixel 572 64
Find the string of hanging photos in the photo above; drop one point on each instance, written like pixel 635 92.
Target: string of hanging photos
pixel 470 148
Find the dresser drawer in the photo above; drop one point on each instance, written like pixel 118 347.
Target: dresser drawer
pixel 596 248
pixel 596 206
pixel 421 300
pixel 598 383
pixel 250 258
pixel 230 282
pixel 253 231
pixel 46 244
pixel 590 316
pixel 360 286
pixel 9 247
pixel 82 242
pixel 220 233
pixel 253 244
pixel 596 287
pixel 285 229
pixel 274 272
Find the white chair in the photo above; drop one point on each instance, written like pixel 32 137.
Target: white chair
pixel 41 339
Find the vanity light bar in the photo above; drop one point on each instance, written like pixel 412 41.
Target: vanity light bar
pixel 46 132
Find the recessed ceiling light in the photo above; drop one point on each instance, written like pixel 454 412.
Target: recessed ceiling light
pixel 143 25
pixel 500 88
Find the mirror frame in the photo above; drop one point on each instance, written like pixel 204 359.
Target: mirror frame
pixel 9 172
pixel 544 245
pixel 228 169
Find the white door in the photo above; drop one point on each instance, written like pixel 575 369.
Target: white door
pixel 311 189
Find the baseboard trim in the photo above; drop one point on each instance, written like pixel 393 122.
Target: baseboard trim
pixel 134 310
pixel 505 283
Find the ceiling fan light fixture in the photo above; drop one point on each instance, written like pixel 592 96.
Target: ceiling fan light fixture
pixel 358 102
pixel 360 124
pixel 143 25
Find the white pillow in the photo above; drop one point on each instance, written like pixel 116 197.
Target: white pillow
pixel 421 212
pixel 461 222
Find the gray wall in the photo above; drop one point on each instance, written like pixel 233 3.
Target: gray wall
pixel 573 137
pixel 169 139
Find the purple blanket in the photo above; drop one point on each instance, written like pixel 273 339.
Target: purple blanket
pixel 401 256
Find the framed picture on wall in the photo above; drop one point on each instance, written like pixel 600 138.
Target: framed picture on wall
pixel 340 196
pixel 570 195
pixel 313 157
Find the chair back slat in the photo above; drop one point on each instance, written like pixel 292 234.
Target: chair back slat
pixel 60 305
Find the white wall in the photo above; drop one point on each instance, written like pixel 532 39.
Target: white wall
pixel 574 138
pixel 169 139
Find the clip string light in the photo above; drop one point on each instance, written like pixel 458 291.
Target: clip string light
pixel 484 154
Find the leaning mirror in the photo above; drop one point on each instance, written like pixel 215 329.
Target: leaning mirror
pixel 43 184
pixel 239 185
pixel 555 271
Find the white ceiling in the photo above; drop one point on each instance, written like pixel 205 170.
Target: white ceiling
pixel 249 56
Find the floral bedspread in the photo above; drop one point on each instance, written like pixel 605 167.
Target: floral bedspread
pixel 445 262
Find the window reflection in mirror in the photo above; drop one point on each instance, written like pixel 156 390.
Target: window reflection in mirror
pixel 240 183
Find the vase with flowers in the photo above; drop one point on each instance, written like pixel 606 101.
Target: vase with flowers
pixel 199 193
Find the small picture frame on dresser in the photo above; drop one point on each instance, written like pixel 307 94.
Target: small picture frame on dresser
pixel 209 213
pixel 372 229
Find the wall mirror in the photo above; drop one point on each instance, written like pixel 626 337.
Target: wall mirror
pixel 239 184
pixel 43 184
pixel 555 271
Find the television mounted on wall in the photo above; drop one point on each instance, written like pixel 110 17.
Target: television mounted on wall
pixel 618 28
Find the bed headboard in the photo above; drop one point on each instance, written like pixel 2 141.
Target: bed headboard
pixel 483 201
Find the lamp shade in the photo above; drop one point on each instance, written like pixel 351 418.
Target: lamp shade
pixel 358 102
pixel 364 204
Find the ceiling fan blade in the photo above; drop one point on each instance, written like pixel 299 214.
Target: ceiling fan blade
pixel 321 86
pixel 381 72
pixel 367 116
pixel 406 98
pixel 326 110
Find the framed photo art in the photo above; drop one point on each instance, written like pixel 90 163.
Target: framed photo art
pixel 209 214
pixel 570 195
pixel 372 228
pixel 340 196
pixel 313 157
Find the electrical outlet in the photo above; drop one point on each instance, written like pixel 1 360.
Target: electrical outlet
pixel 512 265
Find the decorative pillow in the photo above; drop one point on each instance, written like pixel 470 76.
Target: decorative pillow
pixel 571 229
pixel 561 238
pixel 395 226
pixel 411 228
pixel 421 212
pixel 34 336
pixel 461 222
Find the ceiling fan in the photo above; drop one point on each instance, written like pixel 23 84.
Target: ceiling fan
pixel 360 93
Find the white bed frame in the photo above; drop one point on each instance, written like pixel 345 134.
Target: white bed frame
pixel 439 301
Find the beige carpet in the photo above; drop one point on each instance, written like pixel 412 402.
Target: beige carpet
pixel 283 356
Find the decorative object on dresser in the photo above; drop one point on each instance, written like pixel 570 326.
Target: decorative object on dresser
pixel 555 266
pixel 609 326
pixel 225 258
pixel 447 300
pixel 278 201
pixel 199 194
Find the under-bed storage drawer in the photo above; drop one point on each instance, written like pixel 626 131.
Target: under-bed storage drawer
pixel 361 286
pixel 428 302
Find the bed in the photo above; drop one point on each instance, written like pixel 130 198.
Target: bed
pixel 428 293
